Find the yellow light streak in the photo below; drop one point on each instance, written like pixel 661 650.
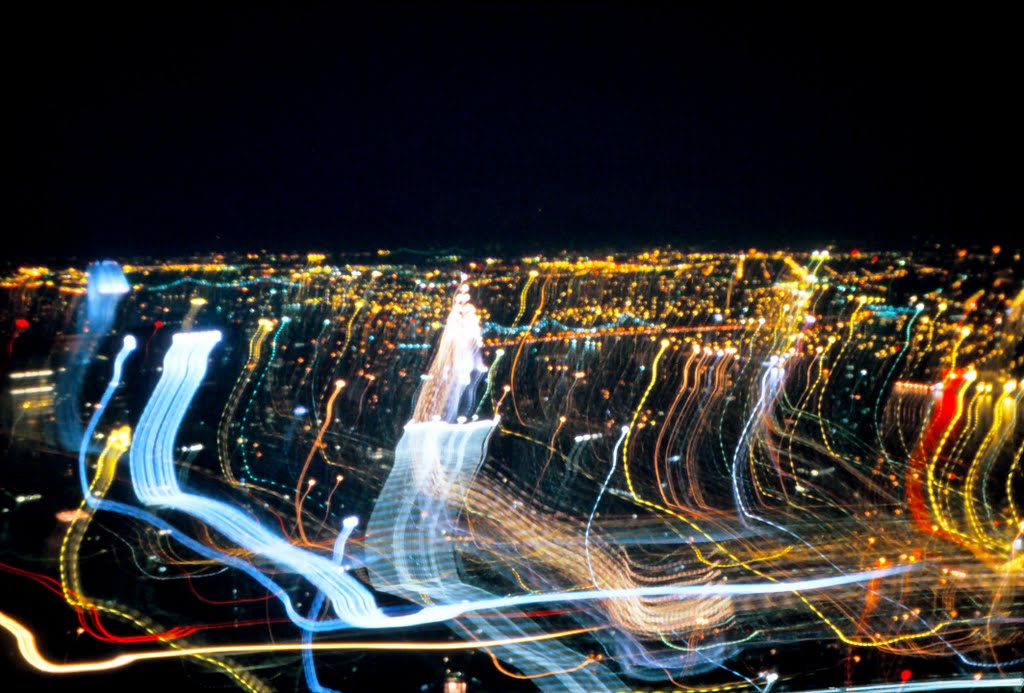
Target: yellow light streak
pixel 117 445
pixel 29 651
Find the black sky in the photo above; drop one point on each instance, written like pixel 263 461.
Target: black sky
pixel 165 129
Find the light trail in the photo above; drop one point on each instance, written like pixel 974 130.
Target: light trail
pixel 1015 682
pixel 264 328
pixel 29 651
pixel 328 418
pixel 105 287
pixel 805 468
pixel 154 479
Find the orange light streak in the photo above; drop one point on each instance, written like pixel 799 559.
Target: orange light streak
pixel 300 493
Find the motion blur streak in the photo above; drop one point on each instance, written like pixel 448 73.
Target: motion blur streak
pixel 105 287
pixel 707 470
pixel 933 685
pixel 30 652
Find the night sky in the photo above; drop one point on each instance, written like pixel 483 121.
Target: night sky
pixel 500 128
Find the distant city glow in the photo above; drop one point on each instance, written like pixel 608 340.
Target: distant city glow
pixel 650 471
